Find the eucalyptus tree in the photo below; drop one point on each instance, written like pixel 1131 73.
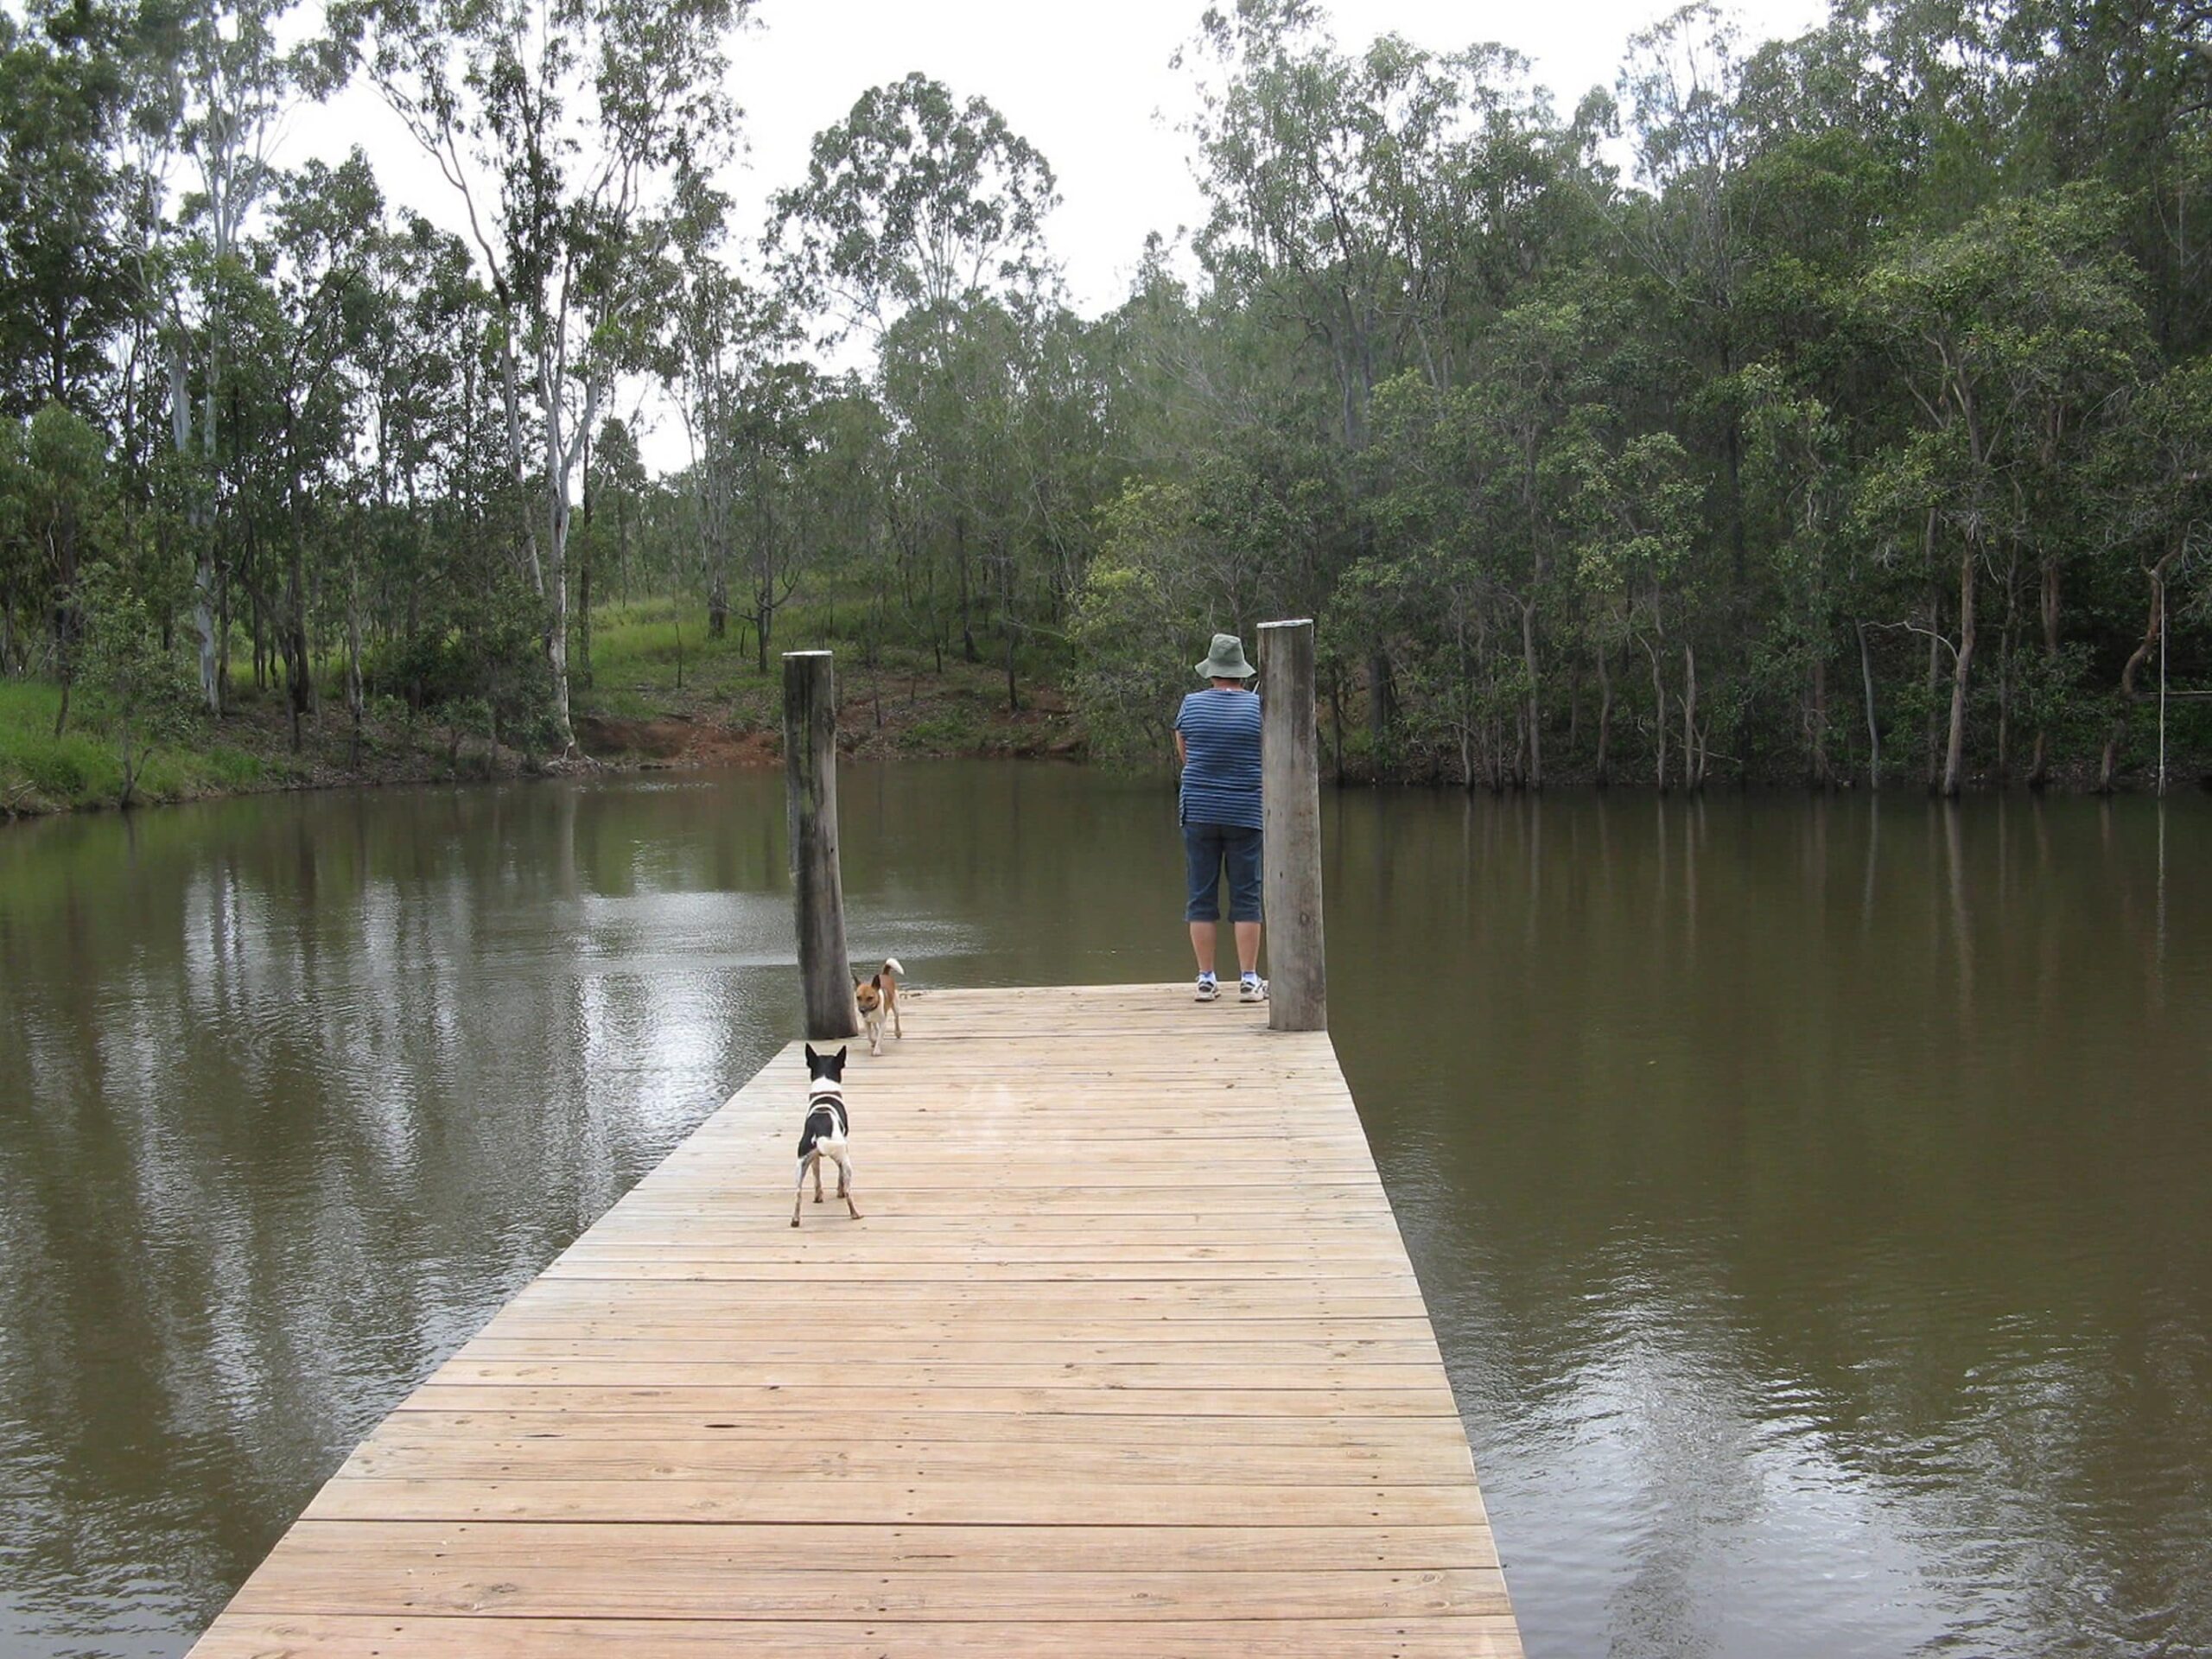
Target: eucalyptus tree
pixel 913 202
pixel 1797 482
pixel 425 369
pixel 724 342
pixel 327 233
pixel 560 126
pixel 1682 84
pixel 128 665
pixel 769 440
pixel 921 225
pixel 1635 509
pixel 2157 462
pixel 2015 327
pixel 614 480
pixel 58 501
pixel 214 85
pixel 65 287
pixel 1388 201
pixel 845 504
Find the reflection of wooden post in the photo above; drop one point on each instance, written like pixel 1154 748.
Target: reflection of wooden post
pixel 811 784
pixel 1290 788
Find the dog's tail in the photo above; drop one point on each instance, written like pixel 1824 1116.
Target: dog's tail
pixel 891 968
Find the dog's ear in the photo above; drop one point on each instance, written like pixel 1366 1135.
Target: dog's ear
pixel 840 1056
pixel 812 1057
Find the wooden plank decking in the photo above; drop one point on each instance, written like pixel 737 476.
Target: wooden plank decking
pixel 1125 1357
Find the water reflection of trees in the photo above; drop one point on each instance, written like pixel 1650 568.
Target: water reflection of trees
pixel 1794 1192
pixel 1765 1242
pixel 300 1092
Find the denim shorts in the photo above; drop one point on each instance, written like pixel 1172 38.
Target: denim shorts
pixel 1206 848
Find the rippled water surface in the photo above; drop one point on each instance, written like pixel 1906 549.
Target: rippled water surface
pixel 1815 1200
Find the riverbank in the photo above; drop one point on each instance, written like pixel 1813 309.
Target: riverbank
pixel 658 696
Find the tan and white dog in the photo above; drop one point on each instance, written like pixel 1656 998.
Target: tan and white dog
pixel 877 997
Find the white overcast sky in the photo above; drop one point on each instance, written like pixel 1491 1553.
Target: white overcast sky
pixel 1089 85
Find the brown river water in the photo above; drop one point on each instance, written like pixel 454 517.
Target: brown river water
pixel 1814 1199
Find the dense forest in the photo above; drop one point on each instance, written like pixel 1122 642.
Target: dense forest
pixel 1836 409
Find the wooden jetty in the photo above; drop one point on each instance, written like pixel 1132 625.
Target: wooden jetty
pixel 1124 1361
pixel 1125 1357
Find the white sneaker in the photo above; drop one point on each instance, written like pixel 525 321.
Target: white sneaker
pixel 1208 988
pixel 1254 989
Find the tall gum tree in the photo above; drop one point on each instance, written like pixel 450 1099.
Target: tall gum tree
pixel 920 215
pixel 561 126
pixel 215 89
pixel 1999 331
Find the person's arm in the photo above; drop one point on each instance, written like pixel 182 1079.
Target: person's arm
pixel 1182 750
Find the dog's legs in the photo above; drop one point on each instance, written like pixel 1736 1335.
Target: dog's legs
pixel 897 1029
pixel 845 1183
pixel 798 1192
pixel 818 1178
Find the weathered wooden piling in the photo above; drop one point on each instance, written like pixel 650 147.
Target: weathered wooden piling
pixel 818 889
pixel 1290 787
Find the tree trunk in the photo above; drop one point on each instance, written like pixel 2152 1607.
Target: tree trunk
pixel 129 771
pixel 1337 722
pixel 2005 671
pixel 967 616
pixel 1961 673
pixel 2151 628
pixel 1536 777
pixel 1605 716
pixel 1379 702
pixel 1693 771
pixel 293 629
pixel 583 615
pixel 552 574
pixel 353 697
pixel 2039 765
pixel 1817 736
pixel 1658 716
pixel 203 569
pixel 1935 676
pixel 1573 703
pixel 1874 728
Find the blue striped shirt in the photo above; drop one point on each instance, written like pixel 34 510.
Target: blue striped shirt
pixel 1221 772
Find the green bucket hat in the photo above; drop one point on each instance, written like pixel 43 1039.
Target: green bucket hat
pixel 1226 661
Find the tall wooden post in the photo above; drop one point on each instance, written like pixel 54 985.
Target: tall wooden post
pixel 1290 790
pixel 810 786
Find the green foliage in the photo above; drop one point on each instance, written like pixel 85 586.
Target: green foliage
pixel 1891 345
pixel 913 202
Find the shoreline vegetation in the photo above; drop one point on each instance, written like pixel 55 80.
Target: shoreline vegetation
pixel 1834 410
pixel 656 701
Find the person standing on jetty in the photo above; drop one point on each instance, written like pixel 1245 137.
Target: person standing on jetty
pixel 1218 746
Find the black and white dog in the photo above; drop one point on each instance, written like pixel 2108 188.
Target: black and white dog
pixel 827 1131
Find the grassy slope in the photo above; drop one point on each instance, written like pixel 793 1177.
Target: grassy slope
pixel 659 693
pixel 84 765
pixel 654 675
